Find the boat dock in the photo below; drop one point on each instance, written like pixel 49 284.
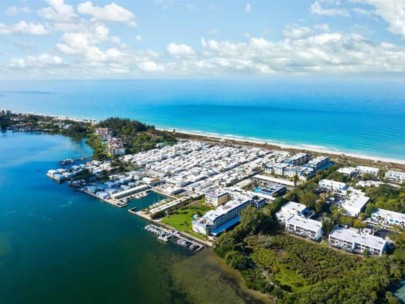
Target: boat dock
pixel 165 234
pixel 116 203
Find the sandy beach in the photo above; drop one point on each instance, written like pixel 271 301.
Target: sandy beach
pixel 303 147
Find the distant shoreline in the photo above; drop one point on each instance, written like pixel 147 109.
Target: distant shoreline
pixel 245 140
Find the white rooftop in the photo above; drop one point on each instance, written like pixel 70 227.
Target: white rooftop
pixel 293 207
pixel 364 239
pixel 389 214
pixel 307 224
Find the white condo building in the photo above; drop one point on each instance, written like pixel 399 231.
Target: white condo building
pixel 289 210
pixel 347 171
pixel 389 218
pixel 331 185
pixel 304 227
pixel 216 198
pixel 350 240
pixel 218 220
pixel 395 176
pixel 367 170
pixel 318 162
pixel 355 202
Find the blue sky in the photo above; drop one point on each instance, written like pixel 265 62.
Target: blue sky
pixel 187 39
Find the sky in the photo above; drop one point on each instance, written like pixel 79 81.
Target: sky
pixel 54 39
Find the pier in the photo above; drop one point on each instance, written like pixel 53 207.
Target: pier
pixel 165 234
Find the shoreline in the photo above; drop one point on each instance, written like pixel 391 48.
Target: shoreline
pixel 272 143
pixel 242 139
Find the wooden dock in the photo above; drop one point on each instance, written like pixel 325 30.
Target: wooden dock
pixel 164 234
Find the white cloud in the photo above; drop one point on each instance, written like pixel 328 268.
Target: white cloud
pixel 58 11
pixel 294 31
pixel 318 9
pixel 138 38
pixel 42 61
pixel 179 50
pixel 110 12
pixel 23 27
pixel 322 27
pixel 248 8
pixel 392 12
pixel 151 66
pixel 15 10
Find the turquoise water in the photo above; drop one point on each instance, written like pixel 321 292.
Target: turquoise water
pixel 62 246
pixel 366 117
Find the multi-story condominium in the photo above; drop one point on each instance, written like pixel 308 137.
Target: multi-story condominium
pixel 303 173
pixel 116 146
pixel 389 218
pixel 350 240
pixel 395 176
pixel 318 162
pixel 304 227
pixel 355 202
pixel 216 197
pixel 277 168
pixel 298 159
pixel 223 217
pixel 291 209
pixel 331 185
pixel 350 171
pixel 367 170
pixel 104 133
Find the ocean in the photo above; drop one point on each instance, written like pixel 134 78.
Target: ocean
pixel 62 246
pixel 365 117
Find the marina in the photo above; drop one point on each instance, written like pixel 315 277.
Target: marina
pixel 165 235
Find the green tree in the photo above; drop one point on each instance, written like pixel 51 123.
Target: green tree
pixel 309 199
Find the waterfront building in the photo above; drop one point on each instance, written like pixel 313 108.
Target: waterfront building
pixel 304 227
pixel 367 170
pixel 297 159
pixel 395 176
pixel 292 209
pixel 129 192
pixel 388 218
pixel 353 241
pixel 225 216
pixel 332 186
pixel 216 197
pixel 318 162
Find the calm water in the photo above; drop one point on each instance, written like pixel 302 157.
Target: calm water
pixel 366 117
pixel 61 246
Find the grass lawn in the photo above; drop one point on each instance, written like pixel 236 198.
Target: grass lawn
pixel 182 218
